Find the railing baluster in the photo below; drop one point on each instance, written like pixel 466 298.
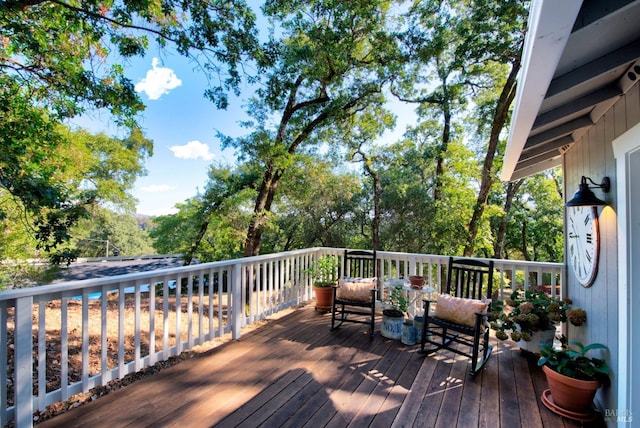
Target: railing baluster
pixel 4 358
pixel 42 354
pixel 104 337
pixel 190 311
pixel 23 360
pixel 121 331
pixel 201 327
pixel 85 340
pixel 136 327
pixel 64 349
pixel 152 323
pixel 223 284
pixel 178 323
pixel 236 301
pixel 210 301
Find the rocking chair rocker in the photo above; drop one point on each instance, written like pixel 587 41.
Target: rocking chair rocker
pixel 354 298
pixel 459 322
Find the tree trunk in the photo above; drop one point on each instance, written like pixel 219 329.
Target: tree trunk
pixel 264 199
pixel 499 119
pixel 188 258
pixel 377 191
pixel 376 213
pixel 512 190
pixel 523 241
pixel 446 137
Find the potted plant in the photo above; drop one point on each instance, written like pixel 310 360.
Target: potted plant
pixel 416 281
pixel 573 379
pixel 393 313
pixel 530 318
pixel 324 272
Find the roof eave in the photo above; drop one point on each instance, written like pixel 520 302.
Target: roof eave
pixel 549 27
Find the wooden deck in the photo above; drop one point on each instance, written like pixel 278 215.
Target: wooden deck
pixel 294 372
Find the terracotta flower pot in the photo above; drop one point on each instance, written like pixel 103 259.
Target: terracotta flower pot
pixel 324 298
pixel 416 281
pixel 571 394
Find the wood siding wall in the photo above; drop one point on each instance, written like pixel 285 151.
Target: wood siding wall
pixel 592 156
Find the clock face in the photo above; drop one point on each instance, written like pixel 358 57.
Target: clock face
pixel 583 243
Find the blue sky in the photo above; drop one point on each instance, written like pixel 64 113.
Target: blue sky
pixel 183 126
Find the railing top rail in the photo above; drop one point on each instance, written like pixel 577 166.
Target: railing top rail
pixel 496 262
pixel 177 271
pixel 132 277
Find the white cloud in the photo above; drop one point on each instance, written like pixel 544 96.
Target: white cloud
pixel 159 81
pixel 161 211
pixel 158 188
pixel 192 150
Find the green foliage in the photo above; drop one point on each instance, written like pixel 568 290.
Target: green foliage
pixel 323 72
pixel 48 188
pixel 324 271
pixel 535 227
pixel 60 60
pixel 210 226
pixel 317 206
pixel 322 86
pixel 57 51
pixel 573 361
pixel 108 233
pixel 397 303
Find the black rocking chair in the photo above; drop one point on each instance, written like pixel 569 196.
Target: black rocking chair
pixel 354 298
pixel 459 322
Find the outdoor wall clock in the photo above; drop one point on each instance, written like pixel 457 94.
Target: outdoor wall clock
pixel 583 243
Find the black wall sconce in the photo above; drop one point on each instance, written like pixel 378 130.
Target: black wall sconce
pixel 585 197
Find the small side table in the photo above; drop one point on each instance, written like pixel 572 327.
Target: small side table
pixel 414 295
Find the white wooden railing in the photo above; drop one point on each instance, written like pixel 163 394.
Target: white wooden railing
pixel 162 313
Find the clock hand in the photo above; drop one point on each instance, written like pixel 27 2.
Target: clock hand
pixel 573 233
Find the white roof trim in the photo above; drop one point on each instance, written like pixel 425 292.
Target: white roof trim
pixel 549 27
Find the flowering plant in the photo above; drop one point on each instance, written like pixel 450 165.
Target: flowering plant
pixel 527 312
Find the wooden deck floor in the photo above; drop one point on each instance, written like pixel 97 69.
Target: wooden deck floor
pixel 294 372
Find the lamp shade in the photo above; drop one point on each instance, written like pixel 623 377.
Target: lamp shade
pixel 585 197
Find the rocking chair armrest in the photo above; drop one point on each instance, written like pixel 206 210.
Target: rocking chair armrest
pixel 482 318
pixel 427 306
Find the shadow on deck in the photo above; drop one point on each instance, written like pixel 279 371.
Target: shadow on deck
pixel 294 372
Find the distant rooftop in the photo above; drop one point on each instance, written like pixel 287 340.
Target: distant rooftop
pixel 89 268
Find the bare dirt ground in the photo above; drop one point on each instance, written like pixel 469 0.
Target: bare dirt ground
pixel 54 367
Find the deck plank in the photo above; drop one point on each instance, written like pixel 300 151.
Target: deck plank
pixel 509 406
pixel 438 384
pixel 489 414
pixel 529 412
pixel 295 372
pixel 452 401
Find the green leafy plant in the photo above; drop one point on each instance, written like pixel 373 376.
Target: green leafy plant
pixel 573 362
pixel 324 271
pixel 527 312
pixel 397 304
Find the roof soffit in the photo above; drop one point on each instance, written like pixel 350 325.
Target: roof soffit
pixel 591 74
